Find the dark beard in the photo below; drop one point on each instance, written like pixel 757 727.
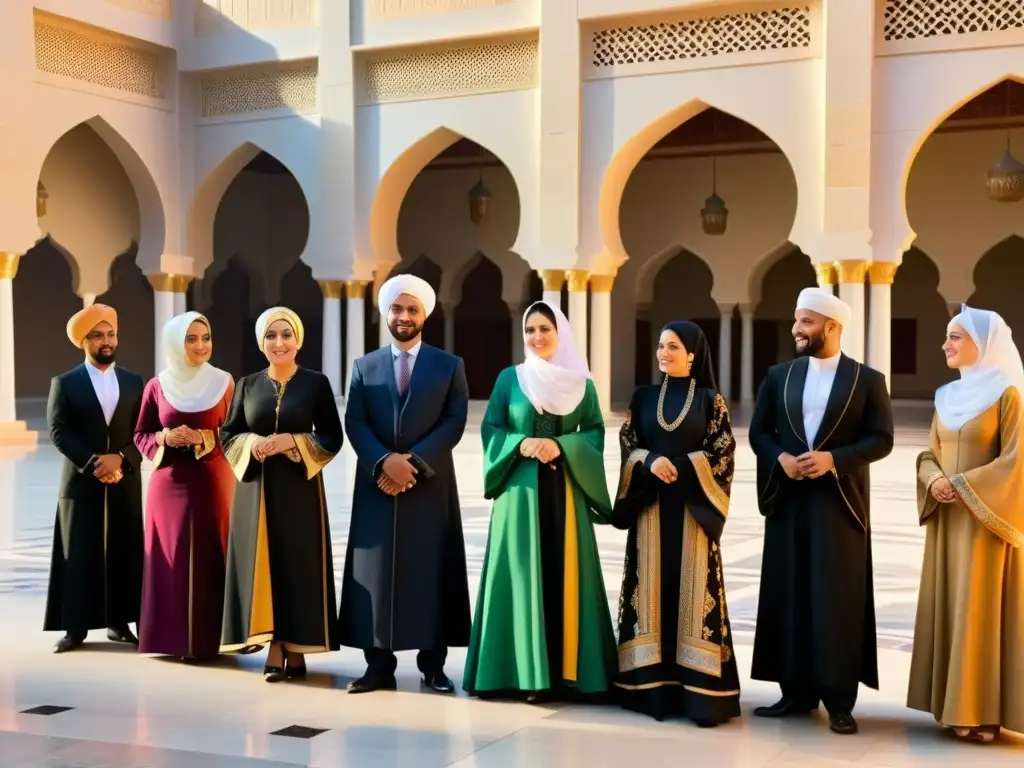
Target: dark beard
pixel 404 336
pixel 104 358
pixel 814 345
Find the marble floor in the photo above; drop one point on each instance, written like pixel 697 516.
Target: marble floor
pixel 108 706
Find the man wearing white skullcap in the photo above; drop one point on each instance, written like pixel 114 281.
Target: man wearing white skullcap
pixel 819 422
pixel 405 585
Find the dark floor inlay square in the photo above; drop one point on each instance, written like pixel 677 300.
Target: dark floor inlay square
pixel 45 709
pixel 299 732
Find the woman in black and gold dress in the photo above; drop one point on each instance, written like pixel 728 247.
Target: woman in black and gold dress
pixel 281 430
pixel 675 645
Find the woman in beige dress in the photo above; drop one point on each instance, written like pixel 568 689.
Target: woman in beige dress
pixel 968 664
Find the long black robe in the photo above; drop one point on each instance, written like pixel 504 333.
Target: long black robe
pixel 816 614
pixel 96 566
pixel 280 570
pixel 676 654
pixel 405 585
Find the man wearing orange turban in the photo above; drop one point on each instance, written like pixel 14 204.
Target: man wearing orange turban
pixel 96 566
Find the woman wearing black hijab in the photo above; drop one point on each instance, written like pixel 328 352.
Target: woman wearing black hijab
pixel 675 644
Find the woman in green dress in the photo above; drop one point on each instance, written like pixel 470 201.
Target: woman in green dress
pixel 542 628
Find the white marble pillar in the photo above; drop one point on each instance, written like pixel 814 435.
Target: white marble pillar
pixel 880 277
pixel 578 280
pixel 355 331
pixel 725 351
pixel 851 275
pixel 8 269
pixel 332 363
pixel 181 301
pixel 746 355
pixel 553 280
pixel 601 338
pixel 163 311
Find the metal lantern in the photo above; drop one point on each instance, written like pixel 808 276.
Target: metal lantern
pixel 479 201
pixel 714 216
pixel 41 197
pixel 1005 180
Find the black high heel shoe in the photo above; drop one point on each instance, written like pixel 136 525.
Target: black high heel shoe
pixel 274 673
pixel 294 672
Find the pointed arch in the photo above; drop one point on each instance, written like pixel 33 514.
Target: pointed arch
pixel 764 263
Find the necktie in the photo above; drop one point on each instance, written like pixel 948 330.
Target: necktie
pixel 403 373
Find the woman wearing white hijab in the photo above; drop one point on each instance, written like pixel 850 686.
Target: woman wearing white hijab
pixel 542 627
pixel 968 663
pixel 189 497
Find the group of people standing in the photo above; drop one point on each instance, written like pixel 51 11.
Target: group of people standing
pixel 234 554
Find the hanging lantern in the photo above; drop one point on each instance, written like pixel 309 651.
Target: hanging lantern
pixel 1005 180
pixel 479 201
pixel 714 216
pixel 41 197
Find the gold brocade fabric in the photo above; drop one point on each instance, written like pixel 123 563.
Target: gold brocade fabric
pixel 968 663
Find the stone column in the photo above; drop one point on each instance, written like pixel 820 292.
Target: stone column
pixel 578 279
pixel 827 274
pixel 553 280
pixel 355 332
pixel 164 290
pixel 601 338
pixel 746 355
pixel 12 431
pixel 880 276
pixel 725 351
pixel 332 364
pixel 851 276
pixel 181 300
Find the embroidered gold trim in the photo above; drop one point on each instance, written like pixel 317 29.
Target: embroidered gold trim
pixel 312 455
pixel 637 456
pixel 984 515
pixel 161 450
pixel 209 443
pixel 238 452
pixel 718 497
pixel 692 650
pixel 708 692
pixel 645 647
pixel 648 686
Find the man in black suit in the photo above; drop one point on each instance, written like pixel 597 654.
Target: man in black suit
pixel 96 567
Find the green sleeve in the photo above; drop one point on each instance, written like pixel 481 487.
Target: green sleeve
pixel 501 443
pixel 584 457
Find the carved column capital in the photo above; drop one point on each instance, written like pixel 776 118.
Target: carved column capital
pixel 9 264
pixel 331 289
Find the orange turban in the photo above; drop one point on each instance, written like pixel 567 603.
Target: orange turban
pixel 81 323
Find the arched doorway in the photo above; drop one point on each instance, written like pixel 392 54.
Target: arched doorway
pixel 483 327
pixel 998 279
pixel 773 315
pixel 919 318
pixel 259 232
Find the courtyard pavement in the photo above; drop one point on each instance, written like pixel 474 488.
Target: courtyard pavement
pixel 107 706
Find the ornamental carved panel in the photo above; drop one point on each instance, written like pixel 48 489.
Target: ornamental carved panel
pixel 214 17
pixel 98 60
pixel 389 9
pixel 160 9
pixel 257 89
pixel 916 19
pixel 767 30
pixel 451 71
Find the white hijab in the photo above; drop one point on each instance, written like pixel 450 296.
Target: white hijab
pixel 980 385
pixel 189 388
pixel 557 385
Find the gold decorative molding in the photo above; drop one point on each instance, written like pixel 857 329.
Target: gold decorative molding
pixel 826 272
pixel 882 272
pixel 9 264
pixel 356 289
pixel 395 9
pixel 578 279
pixel 331 289
pixel 553 279
pixel 166 283
pixel 852 270
pixel 601 283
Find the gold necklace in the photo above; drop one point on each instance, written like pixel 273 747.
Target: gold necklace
pixel 682 414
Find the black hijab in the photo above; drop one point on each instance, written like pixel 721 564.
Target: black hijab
pixel 696 344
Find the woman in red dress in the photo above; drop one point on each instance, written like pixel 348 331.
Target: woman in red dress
pixel 188 503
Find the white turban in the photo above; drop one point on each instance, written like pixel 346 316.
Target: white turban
pixel 824 302
pixel 411 285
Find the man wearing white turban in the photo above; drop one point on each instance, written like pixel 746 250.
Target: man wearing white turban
pixel 96 566
pixel 405 584
pixel 819 422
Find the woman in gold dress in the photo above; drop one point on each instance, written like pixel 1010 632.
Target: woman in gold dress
pixel 968 664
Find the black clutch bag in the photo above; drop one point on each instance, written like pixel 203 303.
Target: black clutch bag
pixel 423 470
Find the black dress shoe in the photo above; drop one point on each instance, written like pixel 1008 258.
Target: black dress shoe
pixel 785 707
pixel 68 643
pixel 438 682
pixel 369 683
pixel 121 635
pixel 842 723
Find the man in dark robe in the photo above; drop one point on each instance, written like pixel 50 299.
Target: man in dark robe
pixel 96 566
pixel 405 584
pixel 819 422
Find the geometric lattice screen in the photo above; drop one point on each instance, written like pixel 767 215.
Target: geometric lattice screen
pixel 914 19
pixel 766 30
pixel 285 86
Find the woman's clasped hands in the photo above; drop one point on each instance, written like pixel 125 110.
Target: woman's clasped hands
pixel 942 491
pixel 263 447
pixel 182 437
pixel 664 470
pixel 543 449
